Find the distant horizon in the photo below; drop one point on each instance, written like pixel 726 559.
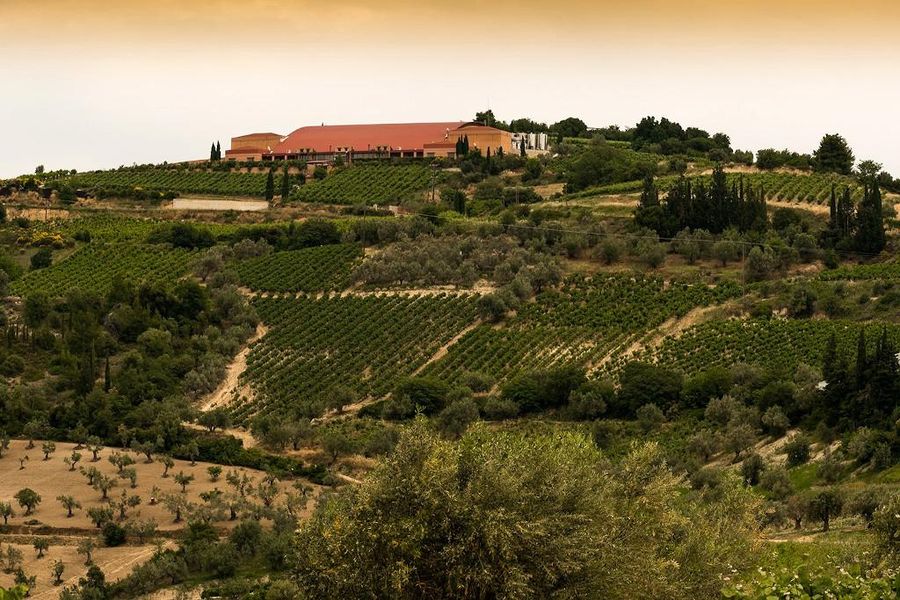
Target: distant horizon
pixel 96 86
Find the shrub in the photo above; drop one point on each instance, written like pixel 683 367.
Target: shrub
pixel 113 534
pixel 797 450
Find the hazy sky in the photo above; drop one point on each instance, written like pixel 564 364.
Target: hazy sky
pixel 95 84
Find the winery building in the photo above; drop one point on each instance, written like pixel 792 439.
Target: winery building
pixel 323 143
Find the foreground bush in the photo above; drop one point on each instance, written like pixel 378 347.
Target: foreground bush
pixel 500 515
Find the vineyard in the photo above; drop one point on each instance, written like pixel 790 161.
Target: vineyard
pixel 366 184
pixel 96 266
pixel 323 268
pixel 100 227
pixel 813 188
pixel 883 270
pixel 582 323
pixel 367 343
pixel 785 343
pixel 180 181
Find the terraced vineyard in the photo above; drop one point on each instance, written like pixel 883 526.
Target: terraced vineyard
pixel 94 267
pixel 884 270
pixel 324 268
pixel 582 323
pixel 813 188
pixel 366 184
pixel 368 343
pixel 781 342
pixel 170 180
pixel 101 227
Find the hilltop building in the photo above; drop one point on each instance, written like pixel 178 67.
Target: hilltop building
pixel 252 146
pixel 324 143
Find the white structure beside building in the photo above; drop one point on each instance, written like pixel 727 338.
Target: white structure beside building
pixel 535 142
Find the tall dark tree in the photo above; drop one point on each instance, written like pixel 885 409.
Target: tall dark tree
pixel 649 193
pixel 212 152
pixel 861 360
pixel 870 236
pixel 522 147
pixel 270 186
pixel 834 155
pixel 218 151
pixel 285 184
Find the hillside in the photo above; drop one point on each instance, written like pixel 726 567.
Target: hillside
pixel 744 366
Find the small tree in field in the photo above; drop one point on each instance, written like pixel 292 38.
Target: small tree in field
pixel 6 511
pixel 825 505
pixel 104 483
pixel 69 503
pixel 91 473
pixel 142 530
pixel 86 549
pixel 100 515
pixel 145 448
pixel 168 463
pixel 175 504
pixel 120 461
pixel 131 475
pixel 13 558
pixel 48 448
pixel 94 446
pixel 58 569
pixel 72 460
pixel 28 499
pixel 41 545
pixel 215 472
pixel 183 480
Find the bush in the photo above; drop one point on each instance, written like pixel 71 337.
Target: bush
pixel 797 450
pixel 498 409
pixel 642 383
pixel 423 394
pixel 113 534
pixel 41 259
pixel 650 417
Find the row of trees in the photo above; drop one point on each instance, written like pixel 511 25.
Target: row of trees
pixel 860 227
pixel 694 206
pixel 215 152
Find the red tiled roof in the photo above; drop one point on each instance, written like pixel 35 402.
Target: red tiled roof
pixel 406 136
pixel 256 135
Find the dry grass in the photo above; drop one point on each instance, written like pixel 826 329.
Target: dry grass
pixel 53 478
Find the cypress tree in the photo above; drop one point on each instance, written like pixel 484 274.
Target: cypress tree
pixel 466 144
pixel 212 153
pixel 870 235
pixel 270 187
pixel 218 151
pixel 285 184
pixel 861 360
pixel 459 146
pixel 522 147
pixel 649 193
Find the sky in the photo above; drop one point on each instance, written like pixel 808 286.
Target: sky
pixel 90 84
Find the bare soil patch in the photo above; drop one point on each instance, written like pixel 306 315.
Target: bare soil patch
pixel 115 563
pixel 231 389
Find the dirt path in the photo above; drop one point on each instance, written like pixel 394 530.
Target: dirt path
pixel 653 339
pixel 443 350
pixel 230 387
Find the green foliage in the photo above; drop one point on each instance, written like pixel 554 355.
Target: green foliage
pixel 97 266
pixel 814 583
pixel 366 184
pixel 433 518
pixel 365 343
pixel 782 342
pixel 127 181
pixel 322 268
pixel 579 323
